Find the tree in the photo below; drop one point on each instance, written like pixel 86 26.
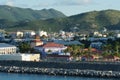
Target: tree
pixel 24 47
pixel 107 48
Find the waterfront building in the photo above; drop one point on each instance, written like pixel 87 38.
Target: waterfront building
pixel 51 48
pixel 20 57
pixel 7 48
pixel 58 58
pixel 111 58
pixel 89 57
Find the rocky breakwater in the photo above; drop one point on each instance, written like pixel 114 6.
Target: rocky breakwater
pixel 61 71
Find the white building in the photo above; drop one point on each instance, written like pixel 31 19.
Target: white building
pixel 7 48
pixel 96 33
pixel 28 33
pixel 118 35
pixel 42 33
pixel 20 57
pixel 51 47
pixel 19 34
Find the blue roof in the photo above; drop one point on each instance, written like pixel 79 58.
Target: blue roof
pixel 68 42
pixel 6 45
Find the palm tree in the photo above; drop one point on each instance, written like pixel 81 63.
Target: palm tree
pixel 107 48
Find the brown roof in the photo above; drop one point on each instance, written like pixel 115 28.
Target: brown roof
pixel 93 50
pixel 52 44
pixel 88 56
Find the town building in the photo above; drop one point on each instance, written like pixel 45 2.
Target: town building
pixel 7 48
pixel 51 48
pixel 118 35
pixel 36 42
pixel 19 34
pixel 20 57
pixel 60 58
pixel 97 45
pixel 28 33
pixel 42 33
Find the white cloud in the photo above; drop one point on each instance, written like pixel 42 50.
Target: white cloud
pixel 73 2
pixel 42 5
pixel 87 1
pixel 10 3
pixel 64 3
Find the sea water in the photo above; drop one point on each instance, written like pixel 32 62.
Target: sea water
pixel 14 76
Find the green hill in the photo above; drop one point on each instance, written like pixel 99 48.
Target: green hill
pixel 22 14
pixel 94 20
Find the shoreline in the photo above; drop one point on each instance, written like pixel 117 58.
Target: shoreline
pixel 81 69
pixel 64 72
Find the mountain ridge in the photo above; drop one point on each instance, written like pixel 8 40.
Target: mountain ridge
pixel 19 14
pixel 88 21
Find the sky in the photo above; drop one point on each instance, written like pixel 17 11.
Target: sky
pixel 68 7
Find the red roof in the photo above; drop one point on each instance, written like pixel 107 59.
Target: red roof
pixel 61 56
pixel 52 44
pixel 88 56
pixel 93 50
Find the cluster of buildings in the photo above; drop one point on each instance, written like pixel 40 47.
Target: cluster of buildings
pixel 49 47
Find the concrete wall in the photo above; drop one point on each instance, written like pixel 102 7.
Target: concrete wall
pixel 10 57
pixel 20 57
pixel 102 66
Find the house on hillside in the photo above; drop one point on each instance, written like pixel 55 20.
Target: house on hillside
pixel 19 34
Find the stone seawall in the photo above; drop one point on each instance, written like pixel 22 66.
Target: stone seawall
pixel 65 72
pixel 87 69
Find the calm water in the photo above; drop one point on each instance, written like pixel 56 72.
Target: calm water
pixel 12 76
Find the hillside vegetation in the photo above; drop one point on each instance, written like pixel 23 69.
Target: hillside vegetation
pixel 89 21
pixel 22 14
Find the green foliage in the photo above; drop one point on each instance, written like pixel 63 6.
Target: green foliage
pixel 112 48
pixel 75 50
pixel 24 47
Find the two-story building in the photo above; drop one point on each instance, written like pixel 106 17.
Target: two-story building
pixel 51 48
pixel 7 48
